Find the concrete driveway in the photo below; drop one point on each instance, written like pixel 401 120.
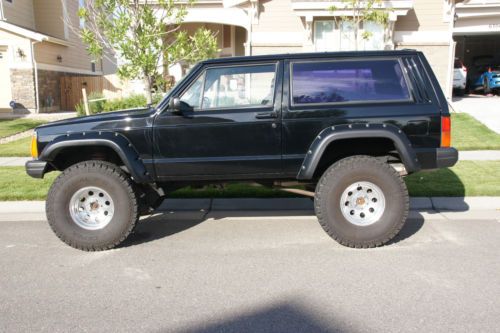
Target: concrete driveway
pixel 248 272
pixel 483 108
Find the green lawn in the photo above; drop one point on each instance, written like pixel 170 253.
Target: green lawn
pixel 16 148
pixel 467 178
pixel 469 134
pixel 11 127
pixel 15 184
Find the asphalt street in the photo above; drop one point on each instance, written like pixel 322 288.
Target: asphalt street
pixel 245 272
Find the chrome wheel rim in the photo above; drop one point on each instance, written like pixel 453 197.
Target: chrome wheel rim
pixel 91 208
pixel 362 203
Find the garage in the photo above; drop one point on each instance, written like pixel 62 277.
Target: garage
pixel 477 53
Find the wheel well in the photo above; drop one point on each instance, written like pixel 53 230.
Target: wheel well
pixel 72 155
pixel 339 149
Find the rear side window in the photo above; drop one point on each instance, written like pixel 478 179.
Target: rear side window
pixel 348 82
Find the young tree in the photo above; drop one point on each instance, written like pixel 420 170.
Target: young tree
pixel 142 34
pixel 361 11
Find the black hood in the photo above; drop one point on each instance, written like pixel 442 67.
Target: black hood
pixel 103 121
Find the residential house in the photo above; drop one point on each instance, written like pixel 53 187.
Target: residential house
pixel 38 46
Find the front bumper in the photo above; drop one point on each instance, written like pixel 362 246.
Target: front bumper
pixel 36 168
pixel 435 158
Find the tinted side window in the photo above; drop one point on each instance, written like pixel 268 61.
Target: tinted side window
pixel 348 81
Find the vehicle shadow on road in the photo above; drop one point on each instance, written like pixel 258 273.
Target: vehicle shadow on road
pixel 282 317
pixel 164 225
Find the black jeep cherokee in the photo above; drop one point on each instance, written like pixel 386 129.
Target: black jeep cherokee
pixel 347 126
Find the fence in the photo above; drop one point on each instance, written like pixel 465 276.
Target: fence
pixel 71 89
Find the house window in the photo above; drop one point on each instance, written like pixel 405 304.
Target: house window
pixel 348 36
pixel 81 5
pixel 92 66
pixel 330 36
pixel 376 41
pixel 325 36
pixel 326 82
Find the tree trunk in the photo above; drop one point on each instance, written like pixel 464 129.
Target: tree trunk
pixel 148 89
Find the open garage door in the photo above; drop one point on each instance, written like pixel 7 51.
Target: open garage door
pixel 476 32
pixel 480 54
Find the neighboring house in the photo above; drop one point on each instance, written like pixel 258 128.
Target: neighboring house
pixel 251 27
pixel 37 48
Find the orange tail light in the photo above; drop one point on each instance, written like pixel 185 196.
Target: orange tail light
pixel 446 132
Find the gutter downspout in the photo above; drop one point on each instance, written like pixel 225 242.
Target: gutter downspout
pixel 35 68
pixel 2 17
pixel 451 53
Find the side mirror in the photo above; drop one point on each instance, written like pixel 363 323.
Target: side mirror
pixel 179 107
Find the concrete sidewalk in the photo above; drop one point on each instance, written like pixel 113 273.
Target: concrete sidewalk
pixel 13 161
pixel 477 155
pixel 485 109
pixel 438 207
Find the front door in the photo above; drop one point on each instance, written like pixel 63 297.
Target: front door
pixel 233 131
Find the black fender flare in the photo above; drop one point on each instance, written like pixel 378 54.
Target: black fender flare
pixel 116 141
pixel 353 131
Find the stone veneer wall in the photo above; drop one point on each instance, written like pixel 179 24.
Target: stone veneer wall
pixel 23 89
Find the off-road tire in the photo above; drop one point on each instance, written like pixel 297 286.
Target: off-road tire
pixel 354 169
pixel 104 175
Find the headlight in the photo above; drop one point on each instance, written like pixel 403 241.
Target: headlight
pixel 34 146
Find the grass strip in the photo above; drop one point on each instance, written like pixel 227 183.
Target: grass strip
pixel 469 134
pixel 18 148
pixel 467 178
pixel 11 127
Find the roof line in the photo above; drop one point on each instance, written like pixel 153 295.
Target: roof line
pixel 33 35
pixel 310 55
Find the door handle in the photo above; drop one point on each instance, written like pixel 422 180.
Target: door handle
pixel 266 115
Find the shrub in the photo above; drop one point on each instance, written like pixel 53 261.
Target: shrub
pixel 133 101
pixel 94 107
pixel 130 102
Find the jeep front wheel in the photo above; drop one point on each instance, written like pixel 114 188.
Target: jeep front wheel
pixel 92 206
pixel 361 202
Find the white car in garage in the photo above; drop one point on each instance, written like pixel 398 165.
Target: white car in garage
pixel 459 77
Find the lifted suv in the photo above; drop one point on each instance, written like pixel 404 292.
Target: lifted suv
pixel 347 126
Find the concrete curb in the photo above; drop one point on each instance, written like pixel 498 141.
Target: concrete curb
pixel 449 204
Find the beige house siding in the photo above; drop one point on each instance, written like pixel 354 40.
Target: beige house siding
pixel 74 56
pixel 49 17
pixel 278 16
pixel 426 15
pixel 20 12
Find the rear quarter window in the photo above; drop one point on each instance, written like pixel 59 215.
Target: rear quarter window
pixel 348 81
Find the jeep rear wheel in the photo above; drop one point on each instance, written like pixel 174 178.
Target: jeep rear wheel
pixel 361 202
pixel 92 206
